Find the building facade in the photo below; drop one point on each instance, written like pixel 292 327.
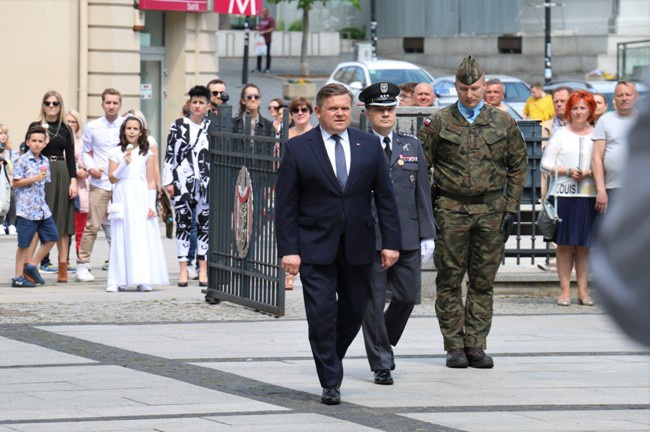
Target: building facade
pixel 81 47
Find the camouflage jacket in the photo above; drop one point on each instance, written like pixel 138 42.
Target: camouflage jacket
pixel 475 159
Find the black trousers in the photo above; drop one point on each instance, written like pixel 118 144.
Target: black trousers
pixel 333 324
pixel 381 329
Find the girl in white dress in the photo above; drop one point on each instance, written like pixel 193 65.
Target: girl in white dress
pixel 136 254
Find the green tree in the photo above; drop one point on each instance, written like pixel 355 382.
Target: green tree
pixel 306 6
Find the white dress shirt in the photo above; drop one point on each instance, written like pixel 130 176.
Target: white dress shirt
pixel 330 144
pixel 99 137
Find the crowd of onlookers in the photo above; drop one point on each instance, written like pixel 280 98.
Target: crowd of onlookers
pixel 74 183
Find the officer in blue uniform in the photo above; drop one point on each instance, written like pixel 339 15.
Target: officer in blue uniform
pixel 408 171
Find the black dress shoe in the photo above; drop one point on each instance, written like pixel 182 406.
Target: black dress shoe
pixel 478 359
pixel 383 377
pixel 456 359
pixel 182 284
pixel 331 396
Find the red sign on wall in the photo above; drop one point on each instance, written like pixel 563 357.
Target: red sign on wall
pixel 175 5
pixel 238 7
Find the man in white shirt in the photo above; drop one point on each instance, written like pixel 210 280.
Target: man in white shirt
pixel 610 143
pixel 99 136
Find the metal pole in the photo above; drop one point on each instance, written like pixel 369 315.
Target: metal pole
pixel 247 35
pixel 373 28
pixel 548 70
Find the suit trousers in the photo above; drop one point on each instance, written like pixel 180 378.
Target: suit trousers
pixel 98 206
pixel 333 324
pixel 383 329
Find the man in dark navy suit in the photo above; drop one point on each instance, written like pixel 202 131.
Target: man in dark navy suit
pixel 326 230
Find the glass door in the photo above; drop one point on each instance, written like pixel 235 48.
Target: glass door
pixel 153 93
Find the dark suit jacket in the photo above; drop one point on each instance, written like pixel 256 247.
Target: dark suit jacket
pixel 408 171
pixel 312 211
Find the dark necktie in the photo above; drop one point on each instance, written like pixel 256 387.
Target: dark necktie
pixel 470 114
pixel 339 156
pixel 387 149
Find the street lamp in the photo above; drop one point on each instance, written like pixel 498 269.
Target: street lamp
pixel 373 28
pixel 548 69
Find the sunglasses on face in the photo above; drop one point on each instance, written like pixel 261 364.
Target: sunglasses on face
pixel 216 93
pixel 53 103
pixel 300 110
pixel 253 96
pixel 273 107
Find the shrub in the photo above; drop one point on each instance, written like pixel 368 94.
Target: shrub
pixel 353 33
pixel 296 25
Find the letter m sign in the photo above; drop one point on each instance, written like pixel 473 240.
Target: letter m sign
pixel 238 7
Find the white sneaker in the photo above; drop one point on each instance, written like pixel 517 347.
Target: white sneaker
pixel 83 273
pixel 191 273
pixel 11 230
pixel 144 288
pixel 111 288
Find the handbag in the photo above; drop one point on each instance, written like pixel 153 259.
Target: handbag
pixel 166 212
pixel 115 211
pixel 5 188
pixel 548 218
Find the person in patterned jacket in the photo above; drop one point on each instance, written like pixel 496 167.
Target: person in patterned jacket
pixel 186 176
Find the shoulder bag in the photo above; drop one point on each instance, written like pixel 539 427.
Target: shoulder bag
pixel 548 218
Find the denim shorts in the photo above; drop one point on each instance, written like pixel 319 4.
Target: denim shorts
pixel 26 229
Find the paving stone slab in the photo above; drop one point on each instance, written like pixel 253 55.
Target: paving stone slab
pixel 538 421
pixel 299 422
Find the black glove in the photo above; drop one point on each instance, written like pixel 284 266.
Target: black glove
pixel 506 225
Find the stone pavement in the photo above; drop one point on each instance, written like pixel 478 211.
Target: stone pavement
pixel 75 358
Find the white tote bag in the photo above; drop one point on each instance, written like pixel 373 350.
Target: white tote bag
pixel 260 46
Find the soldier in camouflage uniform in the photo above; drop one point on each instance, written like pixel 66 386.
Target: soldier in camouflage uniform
pixel 480 163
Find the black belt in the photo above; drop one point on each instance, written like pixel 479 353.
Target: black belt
pixel 476 199
pixel 55 158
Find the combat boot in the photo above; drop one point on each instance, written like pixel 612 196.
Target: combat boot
pixel 478 359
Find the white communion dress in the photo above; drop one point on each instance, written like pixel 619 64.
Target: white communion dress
pixel 136 255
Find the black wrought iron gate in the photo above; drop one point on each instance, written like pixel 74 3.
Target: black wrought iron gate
pixel 243 266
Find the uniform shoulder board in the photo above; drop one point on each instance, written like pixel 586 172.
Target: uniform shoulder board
pixel 406 134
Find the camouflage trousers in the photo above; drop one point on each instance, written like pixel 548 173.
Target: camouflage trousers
pixel 468 243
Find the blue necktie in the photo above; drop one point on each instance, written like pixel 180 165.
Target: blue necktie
pixel 470 114
pixel 339 156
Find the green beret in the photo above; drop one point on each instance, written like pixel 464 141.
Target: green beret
pixel 469 71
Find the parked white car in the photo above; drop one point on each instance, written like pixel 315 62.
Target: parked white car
pixel 357 75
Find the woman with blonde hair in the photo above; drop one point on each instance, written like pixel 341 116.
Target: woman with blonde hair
pixel 10 156
pixel 73 118
pixel 62 190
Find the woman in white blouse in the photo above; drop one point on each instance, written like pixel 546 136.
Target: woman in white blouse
pixel 568 154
